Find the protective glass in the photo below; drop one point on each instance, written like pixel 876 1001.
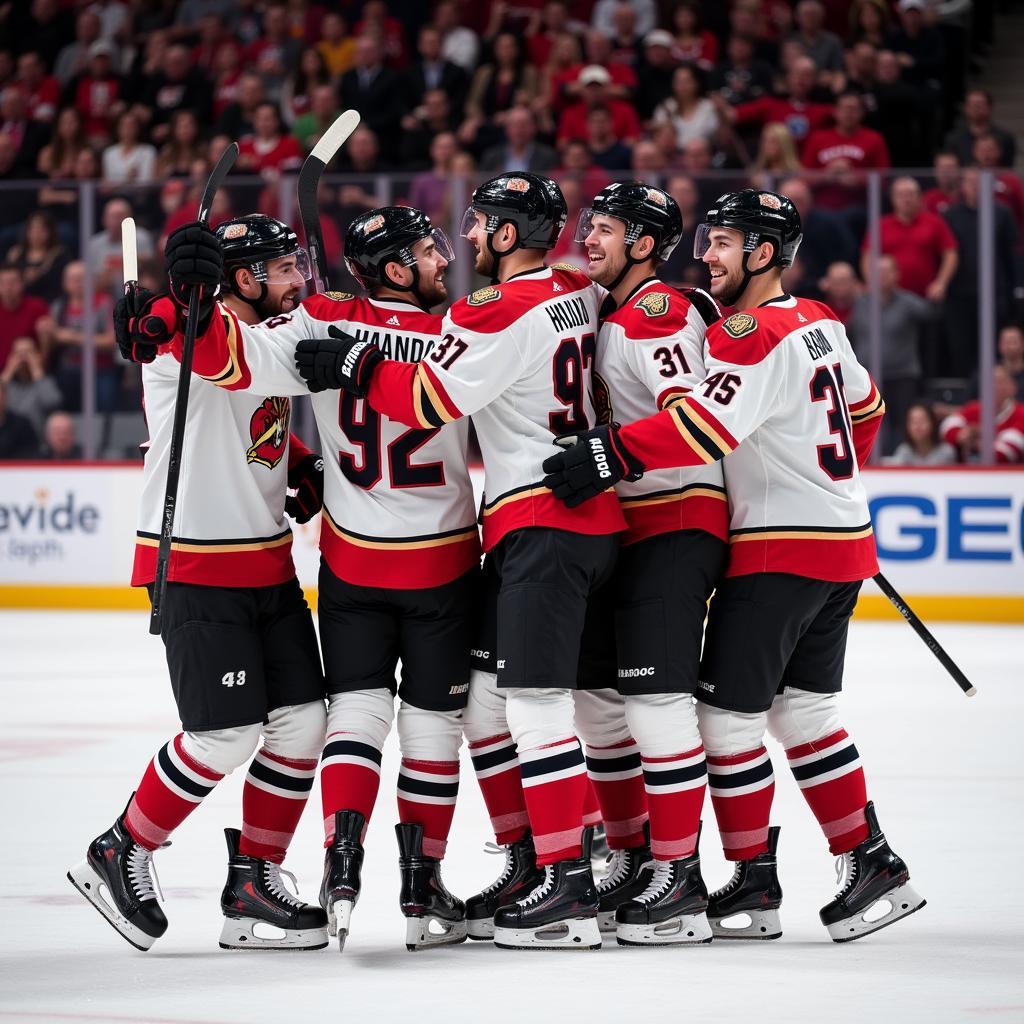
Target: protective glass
pixel 293 269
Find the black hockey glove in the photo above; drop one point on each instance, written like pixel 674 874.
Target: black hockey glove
pixel 193 257
pixel 591 463
pixel 306 478
pixel 142 323
pixel 340 361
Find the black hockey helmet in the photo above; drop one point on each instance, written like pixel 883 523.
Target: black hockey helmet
pixel 643 208
pixel 762 217
pixel 255 240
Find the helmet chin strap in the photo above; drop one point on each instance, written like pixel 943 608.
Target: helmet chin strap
pixel 630 263
pixel 749 274
pixel 413 289
pixel 259 304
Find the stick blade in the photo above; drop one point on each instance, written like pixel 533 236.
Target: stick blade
pixel 220 171
pixel 334 138
pixel 129 250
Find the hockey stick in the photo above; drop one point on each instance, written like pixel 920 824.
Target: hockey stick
pixel 924 633
pixel 163 558
pixel 309 182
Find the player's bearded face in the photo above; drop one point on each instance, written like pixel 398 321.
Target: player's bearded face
pixel 605 244
pixel 724 259
pixel 431 266
pixel 477 237
pixel 282 298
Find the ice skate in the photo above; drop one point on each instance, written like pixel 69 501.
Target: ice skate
pixel 343 861
pixel 600 852
pixel 433 916
pixel 671 911
pixel 519 877
pixel 560 913
pixel 259 912
pixel 877 892
pixel 117 878
pixel 628 876
pixel 747 906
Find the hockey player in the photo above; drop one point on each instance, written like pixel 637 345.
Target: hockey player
pixel 400 561
pixel 240 642
pixel 650 355
pixel 793 413
pixel 518 356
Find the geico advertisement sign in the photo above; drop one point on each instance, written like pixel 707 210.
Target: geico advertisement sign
pixel 66 525
pixel 956 532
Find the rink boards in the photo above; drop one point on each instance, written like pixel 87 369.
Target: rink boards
pixel 952 541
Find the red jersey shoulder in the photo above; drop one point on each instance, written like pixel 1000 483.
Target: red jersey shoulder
pixel 749 336
pixel 330 306
pixel 334 307
pixel 495 307
pixel 657 311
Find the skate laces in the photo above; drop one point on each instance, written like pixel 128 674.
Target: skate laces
pixel 142 874
pixel 846 872
pixel 275 883
pixel 506 871
pixel 621 863
pixel 541 890
pixel 659 883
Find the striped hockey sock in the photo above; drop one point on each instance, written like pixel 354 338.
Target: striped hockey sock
pixel 675 795
pixel 555 786
pixel 275 792
pixel 171 789
pixel 349 779
pixel 617 779
pixel 497 771
pixel 742 787
pixel 591 807
pixel 427 791
pixel 829 774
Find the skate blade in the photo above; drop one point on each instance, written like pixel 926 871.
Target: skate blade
pixel 339 917
pixel 578 933
pixel 482 928
pixel 89 883
pixel 687 930
pixel 748 924
pixel 902 902
pixel 427 932
pixel 241 933
pixel 606 922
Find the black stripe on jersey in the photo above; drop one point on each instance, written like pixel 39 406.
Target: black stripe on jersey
pixel 218 542
pixel 555 763
pixel 182 781
pixel 734 780
pixel 399 540
pixel 801 529
pixel 869 411
pixel 503 755
pixel 427 411
pixel 669 778
pixel 670 492
pixel 826 764
pixel 339 748
pixel 698 435
pixel 423 788
pixel 624 763
pixel 263 772
pixel 488 505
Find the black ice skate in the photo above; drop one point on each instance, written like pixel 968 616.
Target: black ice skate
pixel 560 913
pixel 433 916
pixel 117 878
pixel 877 892
pixel 254 897
pixel 747 907
pixel 628 876
pixel 519 877
pixel 671 911
pixel 600 851
pixel 343 861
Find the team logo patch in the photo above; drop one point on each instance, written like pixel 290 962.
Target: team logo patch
pixel 768 200
pixel 656 196
pixel 517 185
pixel 739 325
pixel 602 399
pixel 653 303
pixel 482 295
pixel 339 296
pixel 268 429
pixel 374 223
pixel 236 231
pixel 566 266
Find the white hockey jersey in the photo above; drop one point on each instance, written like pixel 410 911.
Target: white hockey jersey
pixel 399 511
pixel 793 413
pixel 650 354
pixel 518 357
pixel 229 527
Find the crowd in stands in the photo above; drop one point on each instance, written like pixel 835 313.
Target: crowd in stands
pixel 138 97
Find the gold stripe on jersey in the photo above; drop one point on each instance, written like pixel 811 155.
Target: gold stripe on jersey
pixel 146 540
pixel 518 495
pixel 703 439
pixel 664 497
pixel 400 544
pixel 232 372
pixel 430 410
pixel 801 533
pixel 875 408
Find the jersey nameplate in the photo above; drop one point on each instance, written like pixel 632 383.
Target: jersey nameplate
pixel 339 296
pixel 653 303
pixel 482 295
pixel 739 325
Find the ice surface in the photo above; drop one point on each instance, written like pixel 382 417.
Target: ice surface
pixel 87 702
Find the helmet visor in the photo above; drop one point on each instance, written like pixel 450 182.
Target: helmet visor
pixel 701 240
pixel 584 224
pixel 469 221
pixel 443 245
pixel 292 269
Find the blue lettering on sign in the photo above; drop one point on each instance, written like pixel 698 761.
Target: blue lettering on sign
pixel 924 534
pixel 959 529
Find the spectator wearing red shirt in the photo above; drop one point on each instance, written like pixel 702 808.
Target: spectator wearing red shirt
pixel 41 91
pixel 595 81
pixel 227 69
pixel 597 52
pixel 544 29
pixel 946 192
pixel 20 314
pixel 921 243
pixel 268 149
pixel 578 162
pixel 694 44
pixel 843 151
pixel 963 428
pixel 275 53
pixel 377 22
pixel 1008 188
pixel 97 93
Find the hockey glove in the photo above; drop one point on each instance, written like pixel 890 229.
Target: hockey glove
pixel 591 463
pixel 142 323
pixel 306 478
pixel 339 361
pixel 193 257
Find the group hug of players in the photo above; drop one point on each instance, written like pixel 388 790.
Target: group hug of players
pixel 697 455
